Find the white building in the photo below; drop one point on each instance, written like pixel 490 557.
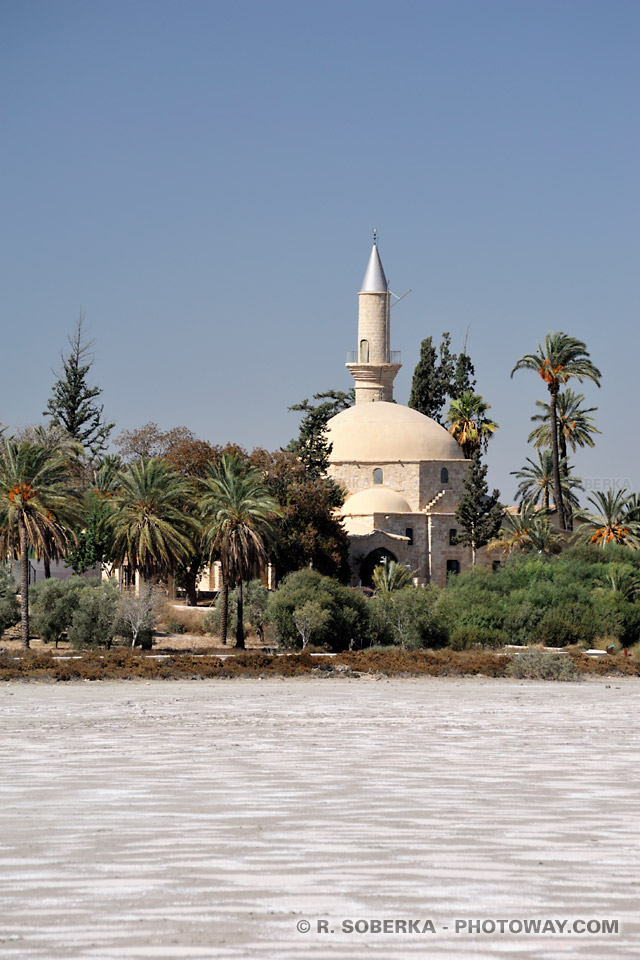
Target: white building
pixel 403 471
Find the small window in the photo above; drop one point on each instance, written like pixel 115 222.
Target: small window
pixel 409 535
pixel 453 538
pixel 444 475
pixel 377 475
pixel 496 565
pixel 453 566
pixel 364 351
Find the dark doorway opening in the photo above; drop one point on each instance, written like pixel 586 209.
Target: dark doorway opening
pixel 371 561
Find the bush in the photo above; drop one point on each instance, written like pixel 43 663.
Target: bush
pixel 136 615
pixel 93 622
pixel 347 621
pixel 566 625
pixel 408 618
pixel 464 637
pixel 183 620
pixel 9 606
pixel 538 665
pixel 53 604
pixel 256 601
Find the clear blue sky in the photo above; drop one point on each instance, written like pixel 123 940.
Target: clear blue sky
pixel 202 178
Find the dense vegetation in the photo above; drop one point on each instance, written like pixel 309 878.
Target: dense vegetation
pixel 169 504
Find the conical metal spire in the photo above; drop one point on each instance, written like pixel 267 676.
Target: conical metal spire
pixel 374 279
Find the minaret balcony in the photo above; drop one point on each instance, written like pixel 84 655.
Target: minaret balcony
pixel 395 356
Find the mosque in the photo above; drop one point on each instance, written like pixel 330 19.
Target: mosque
pixel 404 473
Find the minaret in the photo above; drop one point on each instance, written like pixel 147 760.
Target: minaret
pixel 372 368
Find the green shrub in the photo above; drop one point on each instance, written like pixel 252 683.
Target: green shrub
pixel 9 606
pixel 565 625
pixel 175 626
pixel 53 604
pixel 347 622
pixel 464 637
pixel 409 618
pixel 256 601
pixel 94 620
pixel 538 665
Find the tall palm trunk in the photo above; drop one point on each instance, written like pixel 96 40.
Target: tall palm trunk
pixel 224 611
pixel 562 450
pixel 24 583
pixel 240 623
pixel 557 486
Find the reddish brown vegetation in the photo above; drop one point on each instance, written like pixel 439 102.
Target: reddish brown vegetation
pixel 123 664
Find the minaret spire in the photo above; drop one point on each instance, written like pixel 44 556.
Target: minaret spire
pixel 373 370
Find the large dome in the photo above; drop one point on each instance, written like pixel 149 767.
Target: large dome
pixel 384 432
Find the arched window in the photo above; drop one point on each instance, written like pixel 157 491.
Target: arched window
pixel 409 535
pixel 364 351
pixel 444 475
pixel 377 475
pixel 453 566
pixel 453 538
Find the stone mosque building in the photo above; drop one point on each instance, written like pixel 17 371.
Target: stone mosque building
pixel 404 473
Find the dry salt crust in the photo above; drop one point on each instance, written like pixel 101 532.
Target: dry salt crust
pixel 206 819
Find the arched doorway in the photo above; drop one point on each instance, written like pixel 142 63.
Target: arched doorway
pixel 371 561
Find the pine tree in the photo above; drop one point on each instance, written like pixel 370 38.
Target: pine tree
pixel 479 514
pixel 311 445
pixel 71 404
pixel 432 378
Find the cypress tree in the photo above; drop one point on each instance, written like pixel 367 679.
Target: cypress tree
pixel 479 514
pixel 432 378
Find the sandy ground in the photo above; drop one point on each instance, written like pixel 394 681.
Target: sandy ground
pixel 208 819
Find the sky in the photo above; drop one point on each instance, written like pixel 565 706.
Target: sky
pixel 202 180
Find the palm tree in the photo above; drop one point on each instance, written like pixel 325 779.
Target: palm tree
pixel 528 530
pixel 557 360
pixel 575 426
pixel 469 426
pixel 612 521
pixel 37 508
pixel 536 481
pixel 391 576
pixel 146 522
pixel 56 439
pixel 620 580
pixel 237 513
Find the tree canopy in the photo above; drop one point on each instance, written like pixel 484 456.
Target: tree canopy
pixel 72 403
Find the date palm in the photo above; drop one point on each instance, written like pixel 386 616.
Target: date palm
pixel 528 530
pixel 557 360
pixel 146 522
pixel 469 426
pixel 575 426
pixel 37 508
pixel 237 514
pixel 536 481
pixel 612 521
pixel 391 576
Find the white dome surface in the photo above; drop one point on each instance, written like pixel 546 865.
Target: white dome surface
pixel 385 432
pixel 376 499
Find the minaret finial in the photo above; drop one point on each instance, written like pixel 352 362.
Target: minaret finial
pixel 375 237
